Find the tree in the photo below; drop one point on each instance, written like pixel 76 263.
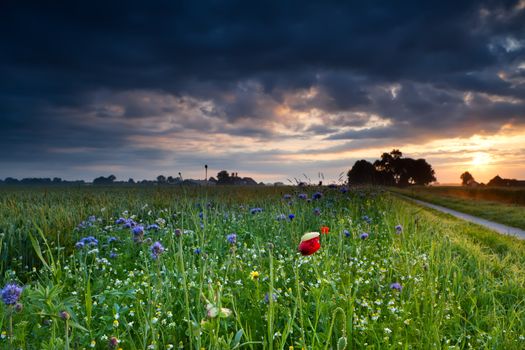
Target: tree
pixel 363 172
pixel 161 179
pixel 223 178
pixel 422 173
pixel 466 178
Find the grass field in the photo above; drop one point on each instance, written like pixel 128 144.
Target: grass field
pixel 438 283
pixel 470 202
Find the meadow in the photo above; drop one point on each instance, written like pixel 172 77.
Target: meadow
pixel 219 268
pixel 503 205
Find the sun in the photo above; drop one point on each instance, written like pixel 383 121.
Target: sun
pixel 481 159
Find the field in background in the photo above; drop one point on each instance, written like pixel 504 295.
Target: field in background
pixel 488 203
pixel 459 285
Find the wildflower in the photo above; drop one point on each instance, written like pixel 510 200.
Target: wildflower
pixel 302 196
pixel 317 211
pixel 254 275
pixel 197 251
pixel 267 297
pixel 115 323
pixel 367 219
pixel 399 229
pixel 156 250
pixel 343 189
pixel 363 236
pixel 138 233
pixel 19 307
pixel 347 233
pixel 120 221
pixel 396 286
pixel 325 230
pixel 287 196
pixel 113 255
pixel 129 223
pixel 178 232
pixel 309 243
pixel 11 293
pixel 113 342
pixel 153 227
pixel 64 315
pixel 79 245
pixel 281 217
pixel 291 217
pixel 232 238
pixel 93 343
pixel 256 210
pixel 112 239
pixel 213 311
pixel 317 195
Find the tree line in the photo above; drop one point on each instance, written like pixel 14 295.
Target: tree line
pixel 392 170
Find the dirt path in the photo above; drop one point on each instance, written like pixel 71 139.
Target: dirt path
pixel 504 229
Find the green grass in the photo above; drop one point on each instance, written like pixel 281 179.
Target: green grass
pixel 508 214
pixel 463 286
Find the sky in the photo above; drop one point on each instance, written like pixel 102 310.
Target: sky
pixel 269 89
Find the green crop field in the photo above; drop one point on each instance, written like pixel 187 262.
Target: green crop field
pixel 219 268
pixel 493 204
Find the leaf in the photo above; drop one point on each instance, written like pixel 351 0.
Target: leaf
pixel 36 247
pixel 237 339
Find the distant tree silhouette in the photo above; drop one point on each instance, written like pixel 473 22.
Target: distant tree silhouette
pixel 363 172
pixel 223 178
pixel 392 169
pixel 101 180
pixel 161 179
pixel 466 178
pixel 131 181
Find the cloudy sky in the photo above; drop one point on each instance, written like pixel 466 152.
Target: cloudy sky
pixel 271 90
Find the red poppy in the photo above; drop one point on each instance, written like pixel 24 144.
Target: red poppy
pixel 309 243
pixel 325 230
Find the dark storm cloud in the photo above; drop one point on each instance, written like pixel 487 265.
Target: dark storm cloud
pixel 96 77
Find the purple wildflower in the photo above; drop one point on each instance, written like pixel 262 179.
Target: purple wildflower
pixel 367 219
pixel 291 217
pixel 11 293
pixel 112 239
pixel 113 255
pixel 79 245
pixel 120 221
pixel 302 196
pixel 396 286
pixel 197 251
pixel 232 238
pixel 287 196
pixel 317 211
pixel 153 227
pixel 156 250
pixel 347 233
pixel 363 236
pixel 399 229
pixel 267 297
pixel 280 217
pixel 317 195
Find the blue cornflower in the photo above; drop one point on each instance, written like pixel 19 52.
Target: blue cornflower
pixel 112 239
pixel 343 189
pixel 302 196
pixel 232 238
pixel 113 255
pixel 92 218
pixel 197 251
pixel 317 195
pixel 156 250
pixel 367 219
pixel 317 211
pixel 129 223
pixel 201 215
pixel 11 293
pixel 90 241
pixel 287 196
pixel 138 230
pixel 347 233
pixel 256 210
pixel 399 229
pixel 396 286
pixel 291 216
pixel 79 245
pixel 363 236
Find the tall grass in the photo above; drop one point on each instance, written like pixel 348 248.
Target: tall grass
pixel 462 286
